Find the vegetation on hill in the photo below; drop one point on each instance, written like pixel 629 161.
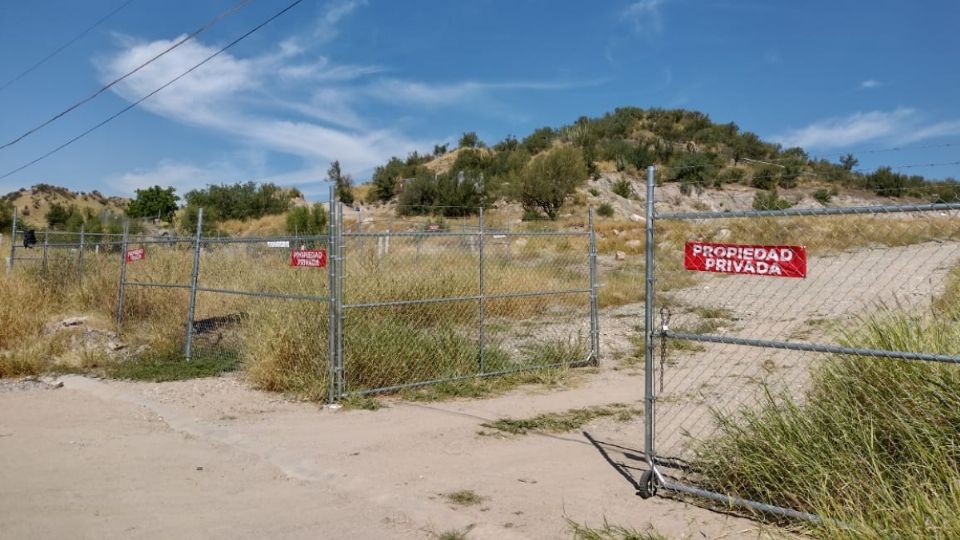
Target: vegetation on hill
pixel 241 201
pixel 692 151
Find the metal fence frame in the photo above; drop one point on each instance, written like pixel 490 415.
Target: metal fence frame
pixel 339 305
pixel 654 479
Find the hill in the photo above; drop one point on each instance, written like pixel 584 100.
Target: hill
pixel 694 155
pixel 34 204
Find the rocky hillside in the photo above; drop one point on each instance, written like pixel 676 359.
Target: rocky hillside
pixel 34 203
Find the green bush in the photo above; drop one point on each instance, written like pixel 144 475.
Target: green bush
pixel 594 191
pixel 822 196
pixel 770 200
pixel 305 220
pixel 623 188
pixel 239 201
pixel 605 210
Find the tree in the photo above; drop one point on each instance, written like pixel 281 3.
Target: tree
pixel 439 150
pixel 549 178
pixel 469 139
pixel 154 202
pixel 344 183
pixel 849 162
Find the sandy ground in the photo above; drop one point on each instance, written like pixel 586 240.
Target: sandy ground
pixel 213 459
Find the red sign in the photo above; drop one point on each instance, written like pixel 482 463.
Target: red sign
pixel 138 254
pixel 777 261
pixel 312 258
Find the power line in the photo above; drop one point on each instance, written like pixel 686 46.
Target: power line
pixel 151 94
pixel 236 7
pixel 57 51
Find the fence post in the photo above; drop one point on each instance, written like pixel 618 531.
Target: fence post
pixel 483 300
pixel 188 347
pixel 594 285
pixel 341 271
pixel 332 330
pixel 46 244
pixel 13 242
pixel 80 258
pixel 648 330
pixel 121 289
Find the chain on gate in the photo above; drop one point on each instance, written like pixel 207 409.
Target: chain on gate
pixel 664 327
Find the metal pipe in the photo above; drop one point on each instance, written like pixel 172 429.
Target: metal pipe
pixel 648 330
pixel 80 257
pixel 341 271
pixel 594 285
pixel 483 302
pixel 730 500
pixel 123 275
pixel 46 245
pixel 470 298
pixel 13 242
pixel 790 212
pixel 813 347
pixel 332 331
pixel 188 346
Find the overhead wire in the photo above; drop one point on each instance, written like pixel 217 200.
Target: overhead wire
pixel 154 92
pixel 209 24
pixel 59 49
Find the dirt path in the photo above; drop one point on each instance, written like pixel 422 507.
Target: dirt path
pixel 213 459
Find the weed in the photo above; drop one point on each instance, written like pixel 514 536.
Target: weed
pixel 169 365
pixel 566 421
pixel 464 497
pixel 611 532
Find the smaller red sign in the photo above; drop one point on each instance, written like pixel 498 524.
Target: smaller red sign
pixel 311 258
pixel 776 261
pixel 138 254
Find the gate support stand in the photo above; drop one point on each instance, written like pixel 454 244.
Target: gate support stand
pixel 649 480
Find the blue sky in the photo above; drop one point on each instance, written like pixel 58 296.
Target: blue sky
pixel 360 81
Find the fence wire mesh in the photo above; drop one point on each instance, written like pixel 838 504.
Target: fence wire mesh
pixel 428 301
pixel 395 304
pixel 729 347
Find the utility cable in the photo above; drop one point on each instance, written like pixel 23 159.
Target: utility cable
pixel 57 51
pixel 151 94
pixel 236 7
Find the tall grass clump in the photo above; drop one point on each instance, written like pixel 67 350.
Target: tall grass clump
pixel 874 446
pixel 284 348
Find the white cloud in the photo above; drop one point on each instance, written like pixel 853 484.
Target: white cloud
pixel 182 176
pixel 327 27
pixel 644 16
pixel 849 130
pixel 870 83
pixel 946 128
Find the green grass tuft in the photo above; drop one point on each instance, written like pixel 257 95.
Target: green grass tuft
pixel 169 365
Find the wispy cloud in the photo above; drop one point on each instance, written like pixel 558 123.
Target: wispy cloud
pixel 328 25
pixel 870 83
pixel 644 16
pixel 899 126
pixel 290 100
pixel 849 130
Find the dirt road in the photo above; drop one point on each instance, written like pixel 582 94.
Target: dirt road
pixel 213 459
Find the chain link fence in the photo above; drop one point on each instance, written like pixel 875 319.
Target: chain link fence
pixel 778 299
pixel 367 306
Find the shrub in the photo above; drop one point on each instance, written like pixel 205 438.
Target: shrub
pixel 623 188
pixel 239 201
pixel 594 191
pixel 822 196
pixel 305 220
pixel 469 139
pixel 693 172
pixel 770 200
pixel 605 210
